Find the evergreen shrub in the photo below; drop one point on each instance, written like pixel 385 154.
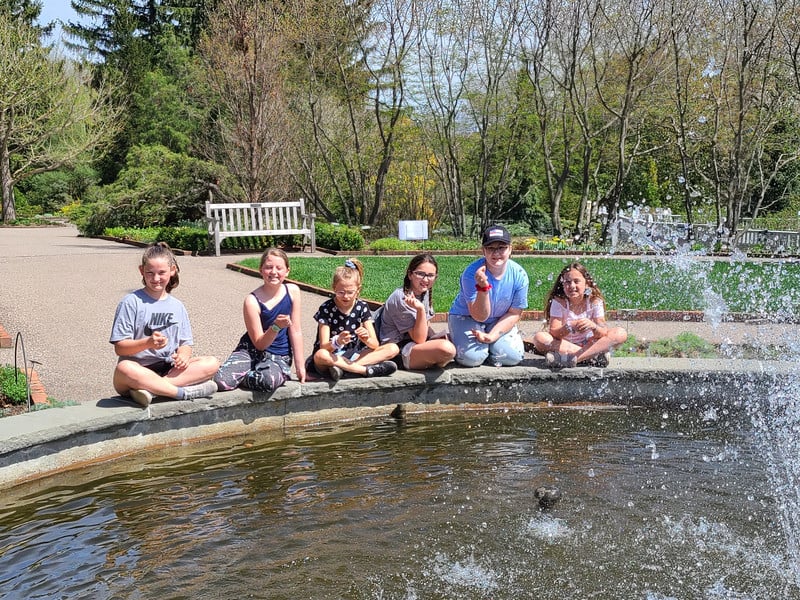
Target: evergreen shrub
pixel 338 237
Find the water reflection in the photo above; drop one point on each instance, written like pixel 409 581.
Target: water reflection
pixel 655 506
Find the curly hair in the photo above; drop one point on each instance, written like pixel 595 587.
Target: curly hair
pixel 557 291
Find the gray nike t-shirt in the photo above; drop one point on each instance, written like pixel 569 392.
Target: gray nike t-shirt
pixel 138 316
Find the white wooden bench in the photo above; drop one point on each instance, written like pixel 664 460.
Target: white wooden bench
pixel 241 219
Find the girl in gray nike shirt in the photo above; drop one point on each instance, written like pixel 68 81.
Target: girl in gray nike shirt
pixel 153 339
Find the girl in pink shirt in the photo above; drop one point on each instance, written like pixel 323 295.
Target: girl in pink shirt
pixel 576 331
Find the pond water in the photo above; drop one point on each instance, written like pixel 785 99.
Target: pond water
pixel 655 505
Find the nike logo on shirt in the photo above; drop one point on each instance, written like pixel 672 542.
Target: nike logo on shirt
pixel 159 322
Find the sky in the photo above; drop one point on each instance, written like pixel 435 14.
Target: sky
pixel 53 10
pixel 56 9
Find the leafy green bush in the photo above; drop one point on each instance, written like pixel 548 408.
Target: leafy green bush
pixel 338 237
pixel 13 385
pixel 538 221
pixel 155 187
pixel 436 243
pixel 257 243
pixel 145 235
pixel 194 239
pixel 24 208
pixel 393 245
pixel 55 189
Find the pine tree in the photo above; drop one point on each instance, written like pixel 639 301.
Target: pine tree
pixel 26 11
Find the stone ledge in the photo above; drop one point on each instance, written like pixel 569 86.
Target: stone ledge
pixel 41 443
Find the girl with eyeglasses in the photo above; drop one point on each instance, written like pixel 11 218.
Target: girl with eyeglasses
pixel 405 318
pixel 346 340
pixel 492 294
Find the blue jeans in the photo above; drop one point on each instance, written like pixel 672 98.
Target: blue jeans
pixel 507 351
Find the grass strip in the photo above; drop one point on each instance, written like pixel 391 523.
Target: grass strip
pixel 683 283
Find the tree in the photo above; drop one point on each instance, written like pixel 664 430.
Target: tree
pixel 750 128
pixel 166 107
pixel 146 46
pixel 492 107
pixel 189 17
pixel 349 97
pixel 49 114
pixel 244 54
pixel 25 11
pixel 628 58
pixel 553 46
pixel 443 52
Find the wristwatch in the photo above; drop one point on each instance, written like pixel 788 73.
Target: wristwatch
pixel 275 328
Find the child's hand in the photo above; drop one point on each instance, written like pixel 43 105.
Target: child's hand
pixel 158 340
pixel 583 325
pixel 482 336
pixel 344 338
pixel 283 321
pixel 362 334
pixel 179 361
pixel 481 280
pixel 412 301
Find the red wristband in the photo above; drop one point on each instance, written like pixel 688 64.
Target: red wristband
pixel 486 288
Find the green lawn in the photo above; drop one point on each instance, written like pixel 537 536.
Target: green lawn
pixel 769 288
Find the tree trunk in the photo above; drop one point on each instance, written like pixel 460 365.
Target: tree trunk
pixel 7 185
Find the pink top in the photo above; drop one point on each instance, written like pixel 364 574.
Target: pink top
pixel 591 310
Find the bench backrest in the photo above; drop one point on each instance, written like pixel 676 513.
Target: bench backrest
pixel 258 216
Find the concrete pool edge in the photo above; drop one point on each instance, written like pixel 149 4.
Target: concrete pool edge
pixel 41 443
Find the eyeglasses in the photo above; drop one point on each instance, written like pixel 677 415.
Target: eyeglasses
pixel 346 293
pixel 497 249
pixel 424 275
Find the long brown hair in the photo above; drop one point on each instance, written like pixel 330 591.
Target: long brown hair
pixel 420 259
pixel 558 287
pixel 162 250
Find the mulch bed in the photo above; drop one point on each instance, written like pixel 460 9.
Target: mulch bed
pixel 9 410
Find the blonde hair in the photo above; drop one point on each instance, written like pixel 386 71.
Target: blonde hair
pixel 161 250
pixel 351 270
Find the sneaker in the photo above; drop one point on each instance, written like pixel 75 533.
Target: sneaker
pixel 557 360
pixel 382 369
pixel 142 397
pixel 602 360
pixel 201 390
pixel 569 360
pixel 335 373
